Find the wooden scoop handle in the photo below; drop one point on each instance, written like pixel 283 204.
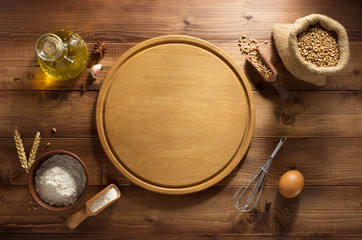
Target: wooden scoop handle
pixel 283 92
pixel 74 220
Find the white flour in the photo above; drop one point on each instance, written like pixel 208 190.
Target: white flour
pixel 60 180
pixel 104 199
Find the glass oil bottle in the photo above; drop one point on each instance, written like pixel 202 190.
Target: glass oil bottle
pixel 62 54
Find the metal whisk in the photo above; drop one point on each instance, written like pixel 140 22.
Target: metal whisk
pixel 260 175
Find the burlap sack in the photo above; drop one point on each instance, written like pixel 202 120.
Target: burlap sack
pixel 285 39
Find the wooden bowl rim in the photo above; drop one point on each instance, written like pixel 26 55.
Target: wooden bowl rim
pixel 31 180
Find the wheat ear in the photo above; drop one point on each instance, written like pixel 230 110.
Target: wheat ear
pixel 21 151
pixel 34 149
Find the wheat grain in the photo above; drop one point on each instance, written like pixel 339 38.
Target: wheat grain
pixel 259 63
pixel 21 151
pixel 252 44
pixel 34 149
pixel 319 46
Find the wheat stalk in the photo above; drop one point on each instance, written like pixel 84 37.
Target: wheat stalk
pixel 21 151
pixel 34 149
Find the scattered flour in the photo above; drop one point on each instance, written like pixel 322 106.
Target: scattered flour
pixel 60 180
pixel 104 199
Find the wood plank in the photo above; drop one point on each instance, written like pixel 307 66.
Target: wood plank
pixel 20 70
pixel 122 21
pixel 323 161
pixel 70 112
pixel 318 209
pixel 323 127
pixel 327 114
pixel 315 114
pixel 210 236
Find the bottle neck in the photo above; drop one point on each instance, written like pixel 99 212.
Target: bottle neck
pixel 49 47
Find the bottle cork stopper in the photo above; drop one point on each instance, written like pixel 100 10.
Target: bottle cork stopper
pixel 50 47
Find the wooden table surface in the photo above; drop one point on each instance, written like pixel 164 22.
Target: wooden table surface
pixel 323 127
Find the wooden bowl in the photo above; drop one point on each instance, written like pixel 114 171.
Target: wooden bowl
pixel 31 181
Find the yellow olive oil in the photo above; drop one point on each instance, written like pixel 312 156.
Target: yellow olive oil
pixel 62 54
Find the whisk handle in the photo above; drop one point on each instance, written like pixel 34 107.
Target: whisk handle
pixel 282 140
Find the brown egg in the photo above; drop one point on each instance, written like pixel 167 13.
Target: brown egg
pixel 291 184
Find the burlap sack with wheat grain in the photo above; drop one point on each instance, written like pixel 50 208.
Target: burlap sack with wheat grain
pixel 285 39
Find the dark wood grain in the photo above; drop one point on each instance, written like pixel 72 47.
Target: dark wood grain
pixel 322 161
pixel 19 69
pixel 207 236
pixel 323 125
pixel 72 113
pixel 328 209
pixel 129 21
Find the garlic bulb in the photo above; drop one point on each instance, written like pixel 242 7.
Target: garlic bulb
pixel 96 69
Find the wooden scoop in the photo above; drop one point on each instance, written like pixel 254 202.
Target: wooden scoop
pixel 283 92
pixel 74 220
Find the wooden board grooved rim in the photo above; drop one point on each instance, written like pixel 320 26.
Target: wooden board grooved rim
pixel 175 114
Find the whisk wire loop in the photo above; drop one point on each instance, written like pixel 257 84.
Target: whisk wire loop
pixel 255 194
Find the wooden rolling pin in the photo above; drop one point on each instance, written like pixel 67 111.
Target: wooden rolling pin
pixel 94 205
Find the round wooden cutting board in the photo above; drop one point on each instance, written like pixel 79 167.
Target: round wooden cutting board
pixel 175 114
